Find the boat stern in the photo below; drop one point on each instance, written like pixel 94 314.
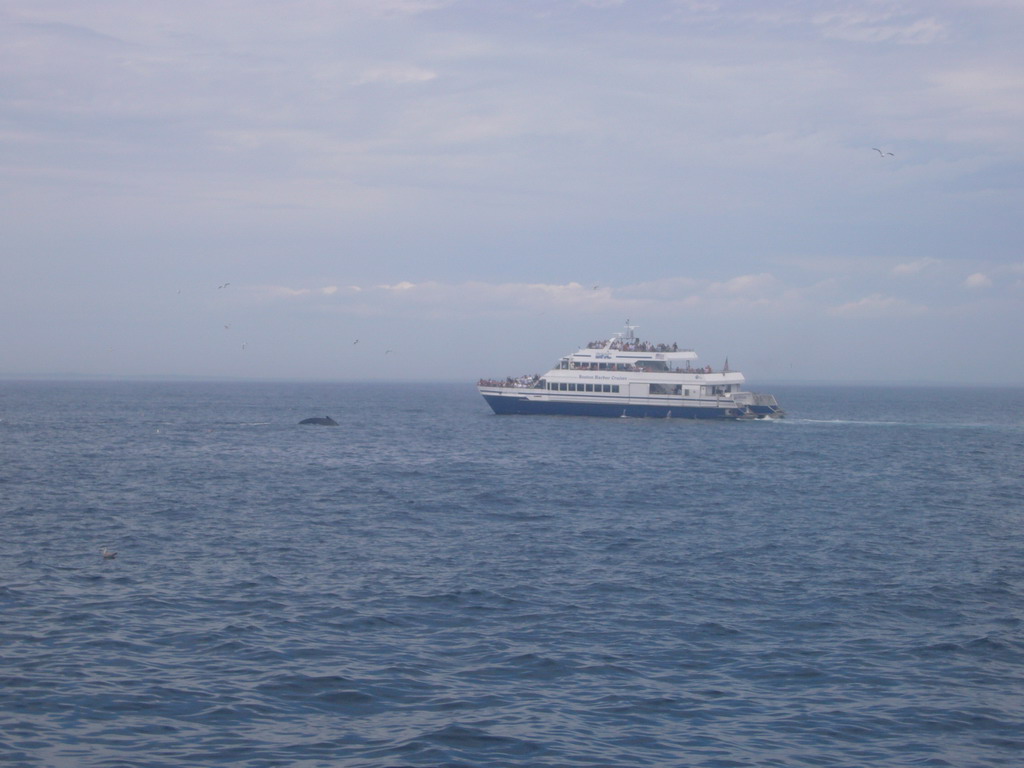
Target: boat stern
pixel 758 406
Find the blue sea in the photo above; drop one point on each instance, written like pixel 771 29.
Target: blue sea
pixel 428 584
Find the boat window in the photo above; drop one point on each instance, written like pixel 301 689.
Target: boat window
pixel 665 389
pixel 615 387
pixel 563 387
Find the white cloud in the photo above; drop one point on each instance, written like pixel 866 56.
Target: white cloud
pixel 669 289
pixel 399 7
pixel 403 286
pixel 396 74
pixel 982 84
pixel 914 267
pixel 877 305
pixel 861 27
pixel 986 100
pixel 978 280
pixel 758 294
pixel 275 291
pixel 272 292
pixel 746 285
pixel 753 296
pixel 452 298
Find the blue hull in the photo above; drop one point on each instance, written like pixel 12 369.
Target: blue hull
pixel 504 405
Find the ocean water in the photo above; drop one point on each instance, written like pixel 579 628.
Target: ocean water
pixel 432 585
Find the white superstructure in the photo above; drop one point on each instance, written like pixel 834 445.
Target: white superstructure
pixel 625 376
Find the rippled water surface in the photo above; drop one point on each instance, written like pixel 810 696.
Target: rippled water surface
pixel 431 585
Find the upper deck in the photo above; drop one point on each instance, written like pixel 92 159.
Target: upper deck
pixel 624 351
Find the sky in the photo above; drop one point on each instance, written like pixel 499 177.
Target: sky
pixel 444 190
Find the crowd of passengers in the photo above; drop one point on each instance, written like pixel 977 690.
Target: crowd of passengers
pixel 634 345
pixel 635 367
pixel 511 381
pixel 530 381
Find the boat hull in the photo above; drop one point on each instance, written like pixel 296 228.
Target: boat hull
pixel 503 403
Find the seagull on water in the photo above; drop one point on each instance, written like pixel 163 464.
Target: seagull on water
pixel 107 554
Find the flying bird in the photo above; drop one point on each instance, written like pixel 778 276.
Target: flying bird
pixel 223 286
pixel 883 154
pixel 107 554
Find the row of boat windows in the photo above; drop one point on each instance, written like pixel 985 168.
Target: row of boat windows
pixel 653 389
pixel 561 386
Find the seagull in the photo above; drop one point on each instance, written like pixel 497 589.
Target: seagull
pixel 107 554
pixel 356 341
pixel 223 286
pixel 883 154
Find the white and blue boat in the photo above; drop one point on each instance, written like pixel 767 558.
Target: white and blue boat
pixel 627 377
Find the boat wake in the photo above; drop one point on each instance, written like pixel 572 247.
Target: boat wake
pixel 853 422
